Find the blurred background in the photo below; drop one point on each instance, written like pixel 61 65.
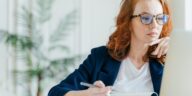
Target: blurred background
pixel 42 41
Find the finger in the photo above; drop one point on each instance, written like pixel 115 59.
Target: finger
pixel 98 90
pixel 99 83
pixel 158 41
pixel 105 92
pixel 166 50
pixel 155 42
pixel 160 53
pixel 100 95
pixel 162 47
pixel 163 40
pixel 156 50
pixel 108 90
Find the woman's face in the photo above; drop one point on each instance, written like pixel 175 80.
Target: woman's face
pixel 146 33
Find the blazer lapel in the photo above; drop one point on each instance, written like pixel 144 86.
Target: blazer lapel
pixel 109 71
pixel 156 70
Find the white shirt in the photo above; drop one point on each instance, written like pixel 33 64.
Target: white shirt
pixel 133 80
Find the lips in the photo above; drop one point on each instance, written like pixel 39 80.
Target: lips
pixel 152 33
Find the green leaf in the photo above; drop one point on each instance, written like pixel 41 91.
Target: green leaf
pixel 61 66
pixel 62 47
pixel 67 23
pixel 3 35
pixel 44 11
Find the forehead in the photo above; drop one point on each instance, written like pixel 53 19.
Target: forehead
pixel 150 6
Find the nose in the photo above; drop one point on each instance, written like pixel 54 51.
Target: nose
pixel 154 23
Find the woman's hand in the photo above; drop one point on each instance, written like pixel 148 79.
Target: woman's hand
pixel 162 47
pixel 99 90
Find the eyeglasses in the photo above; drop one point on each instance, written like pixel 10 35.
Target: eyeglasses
pixel 148 18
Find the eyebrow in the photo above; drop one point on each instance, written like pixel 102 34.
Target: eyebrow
pixel 149 13
pixel 145 13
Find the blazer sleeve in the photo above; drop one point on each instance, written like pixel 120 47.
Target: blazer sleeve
pixel 72 82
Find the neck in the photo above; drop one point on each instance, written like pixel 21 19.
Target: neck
pixel 137 53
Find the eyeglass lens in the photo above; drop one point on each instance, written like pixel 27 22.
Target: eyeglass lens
pixel 148 18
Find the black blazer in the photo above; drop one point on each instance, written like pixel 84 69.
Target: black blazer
pixel 99 65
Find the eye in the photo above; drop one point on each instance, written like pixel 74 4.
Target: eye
pixel 162 18
pixel 146 18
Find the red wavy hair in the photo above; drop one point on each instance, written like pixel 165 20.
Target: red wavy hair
pixel 119 41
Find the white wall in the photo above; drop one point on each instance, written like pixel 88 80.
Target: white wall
pixel 97 22
pixel 3 50
pixel 188 14
pixel 182 14
pixel 3 25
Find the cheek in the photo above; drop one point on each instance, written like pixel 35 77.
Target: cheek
pixel 139 28
pixel 136 30
pixel 159 29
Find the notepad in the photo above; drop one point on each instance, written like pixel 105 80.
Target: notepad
pixel 134 94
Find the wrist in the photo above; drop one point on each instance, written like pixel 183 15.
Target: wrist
pixel 77 93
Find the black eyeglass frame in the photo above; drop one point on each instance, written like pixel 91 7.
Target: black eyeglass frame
pixel 154 16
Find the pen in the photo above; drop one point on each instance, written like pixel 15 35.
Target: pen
pixel 87 84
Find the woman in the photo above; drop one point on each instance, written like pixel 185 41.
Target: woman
pixel 132 61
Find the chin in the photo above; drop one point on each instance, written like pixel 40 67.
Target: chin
pixel 152 39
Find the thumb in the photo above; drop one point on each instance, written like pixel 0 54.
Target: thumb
pixel 99 84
